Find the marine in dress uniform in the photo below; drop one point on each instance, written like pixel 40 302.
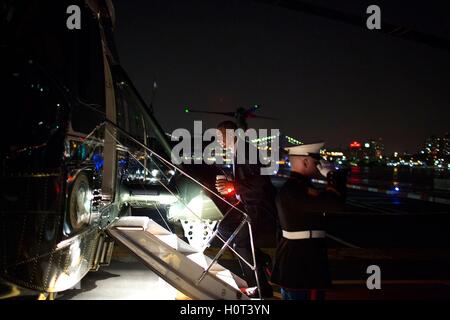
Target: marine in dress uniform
pixel 301 260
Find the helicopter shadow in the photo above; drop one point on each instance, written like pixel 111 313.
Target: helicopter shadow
pixel 87 284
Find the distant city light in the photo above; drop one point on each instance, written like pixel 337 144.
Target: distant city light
pixel 355 144
pixel 293 141
pixel 367 145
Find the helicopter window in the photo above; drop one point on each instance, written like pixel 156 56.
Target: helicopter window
pixel 91 74
pixel 132 116
pixel 73 59
pixel 129 111
pixel 121 111
pixel 36 115
pixel 89 108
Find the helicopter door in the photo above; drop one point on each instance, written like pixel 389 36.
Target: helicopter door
pixel 131 156
pixel 140 173
pixel 110 155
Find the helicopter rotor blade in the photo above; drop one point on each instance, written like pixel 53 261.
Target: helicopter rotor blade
pixel 249 113
pixel 229 114
pixel 253 116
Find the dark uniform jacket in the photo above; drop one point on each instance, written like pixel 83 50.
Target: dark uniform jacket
pixel 303 264
pixel 258 200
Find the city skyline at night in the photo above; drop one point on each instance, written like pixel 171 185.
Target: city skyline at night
pixel 323 79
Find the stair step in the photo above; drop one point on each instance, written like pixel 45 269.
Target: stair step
pixel 175 261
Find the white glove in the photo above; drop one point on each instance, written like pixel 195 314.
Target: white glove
pixel 324 167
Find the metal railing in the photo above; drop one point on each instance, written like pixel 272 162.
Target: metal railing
pixel 115 131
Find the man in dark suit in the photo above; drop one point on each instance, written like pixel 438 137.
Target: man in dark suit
pixel 256 196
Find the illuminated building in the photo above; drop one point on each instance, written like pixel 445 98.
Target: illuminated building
pixel 367 153
pixel 355 150
pixel 436 151
pixel 373 150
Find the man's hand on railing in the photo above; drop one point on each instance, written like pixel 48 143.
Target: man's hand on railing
pixel 225 187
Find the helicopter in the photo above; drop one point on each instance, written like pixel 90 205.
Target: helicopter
pixel 64 176
pixel 72 151
pixel 80 150
pixel 240 115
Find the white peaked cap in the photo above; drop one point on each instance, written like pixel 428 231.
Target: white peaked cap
pixel 305 149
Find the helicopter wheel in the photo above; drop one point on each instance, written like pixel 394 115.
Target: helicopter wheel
pixel 80 203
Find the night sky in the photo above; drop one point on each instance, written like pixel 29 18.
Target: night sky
pixel 323 79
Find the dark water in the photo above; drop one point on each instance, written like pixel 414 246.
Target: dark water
pixel 406 179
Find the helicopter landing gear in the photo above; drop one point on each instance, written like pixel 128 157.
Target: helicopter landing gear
pixel 47 296
pixel 80 203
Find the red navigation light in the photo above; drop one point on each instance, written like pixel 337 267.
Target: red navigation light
pixel 355 145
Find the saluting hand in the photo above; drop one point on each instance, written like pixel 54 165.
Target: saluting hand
pixel 324 168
